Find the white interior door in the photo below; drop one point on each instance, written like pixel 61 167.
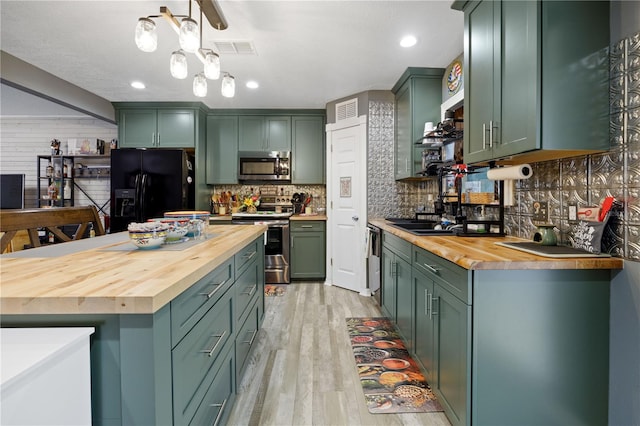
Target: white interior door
pixel 347 210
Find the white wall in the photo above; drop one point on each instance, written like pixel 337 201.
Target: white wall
pixel 23 138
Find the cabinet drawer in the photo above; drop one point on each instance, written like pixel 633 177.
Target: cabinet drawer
pixel 217 402
pixel 197 357
pixel 188 307
pixel 246 288
pixel 451 276
pixel 247 254
pixel 396 244
pixel 307 226
pixel 246 338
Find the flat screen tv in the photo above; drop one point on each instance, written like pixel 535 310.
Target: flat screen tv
pixel 11 191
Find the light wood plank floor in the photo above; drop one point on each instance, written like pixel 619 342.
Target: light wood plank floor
pixel 302 371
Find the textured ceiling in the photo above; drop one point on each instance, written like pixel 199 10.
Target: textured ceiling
pixel 308 53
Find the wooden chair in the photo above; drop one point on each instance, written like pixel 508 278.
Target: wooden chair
pixel 12 221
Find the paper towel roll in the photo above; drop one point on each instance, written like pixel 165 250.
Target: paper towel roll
pixel 522 171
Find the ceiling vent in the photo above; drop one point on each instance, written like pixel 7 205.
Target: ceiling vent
pixel 235 47
pixel 347 109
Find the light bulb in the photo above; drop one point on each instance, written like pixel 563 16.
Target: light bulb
pixel 146 35
pixel 178 65
pixel 200 85
pixel 228 88
pixel 189 36
pixel 211 66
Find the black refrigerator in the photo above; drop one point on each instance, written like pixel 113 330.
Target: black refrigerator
pixel 146 183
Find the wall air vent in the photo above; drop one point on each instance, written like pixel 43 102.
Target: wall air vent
pixel 237 47
pixel 347 109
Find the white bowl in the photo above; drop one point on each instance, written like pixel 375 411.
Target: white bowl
pixel 148 240
pixel 148 234
pixel 196 217
pixel 178 228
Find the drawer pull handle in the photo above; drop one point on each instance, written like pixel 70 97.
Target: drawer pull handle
pixel 249 255
pixel 217 420
pixel 216 287
pixel 250 292
pixel 307 226
pixel 253 336
pixel 210 352
pixel 432 268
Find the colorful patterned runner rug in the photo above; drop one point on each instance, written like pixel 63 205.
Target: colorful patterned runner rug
pixel 274 290
pixel 391 380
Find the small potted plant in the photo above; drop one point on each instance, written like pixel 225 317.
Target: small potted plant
pixel 251 203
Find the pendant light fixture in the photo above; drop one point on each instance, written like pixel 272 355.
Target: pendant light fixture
pixel 146 35
pixel 211 65
pixel 189 41
pixel 190 38
pixel 228 88
pixel 178 65
pixel 200 85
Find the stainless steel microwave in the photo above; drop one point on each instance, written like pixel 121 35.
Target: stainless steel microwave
pixel 264 166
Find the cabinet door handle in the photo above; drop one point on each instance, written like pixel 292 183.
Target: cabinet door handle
pixel 427 297
pixel 250 292
pixel 158 140
pixel 394 269
pixel 253 336
pixel 153 139
pixel 484 136
pixel 210 352
pixel 490 133
pixel 432 268
pixel 431 311
pixel 216 287
pixel 217 420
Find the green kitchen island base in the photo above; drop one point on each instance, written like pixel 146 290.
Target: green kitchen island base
pixel 179 364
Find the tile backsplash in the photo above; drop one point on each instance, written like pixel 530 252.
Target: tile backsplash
pixel 583 181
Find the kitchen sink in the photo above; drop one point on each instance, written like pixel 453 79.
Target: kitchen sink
pixel 418 227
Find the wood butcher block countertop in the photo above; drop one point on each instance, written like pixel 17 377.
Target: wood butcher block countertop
pixel 311 216
pixel 105 277
pixel 482 252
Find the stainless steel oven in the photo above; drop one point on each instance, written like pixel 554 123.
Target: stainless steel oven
pixel 276 262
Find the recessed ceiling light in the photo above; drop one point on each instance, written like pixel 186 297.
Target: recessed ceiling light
pixel 408 41
pixel 137 85
pixel 252 84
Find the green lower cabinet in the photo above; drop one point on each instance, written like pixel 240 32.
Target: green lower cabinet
pixel 197 359
pixel 442 344
pixel 308 250
pixel 452 350
pixel 541 347
pixel 217 402
pixel 403 302
pixel 423 324
pixel 388 284
pixel 497 345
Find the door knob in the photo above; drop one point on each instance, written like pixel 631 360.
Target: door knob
pixel 355 218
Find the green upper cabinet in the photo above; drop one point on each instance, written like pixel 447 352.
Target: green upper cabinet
pixel 418 95
pixel 222 150
pixel 536 79
pixel 308 150
pixel 156 128
pixel 265 133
